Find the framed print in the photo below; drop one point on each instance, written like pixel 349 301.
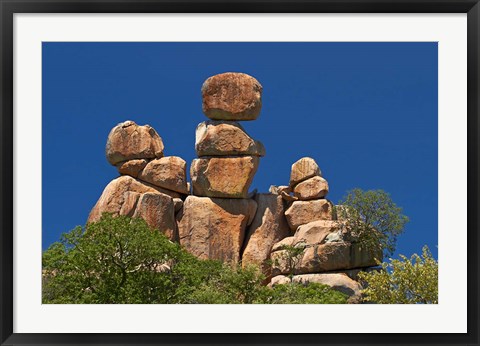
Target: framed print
pixel 241 173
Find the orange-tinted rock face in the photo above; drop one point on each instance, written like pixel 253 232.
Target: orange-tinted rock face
pixel 303 169
pixel 214 228
pixel 312 188
pixel 129 141
pixel 115 195
pixel 268 227
pixel 325 248
pixel 232 96
pixel 224 138
pixel 132 167
pixel 223 177
pixel 168 172
pixel 303 212
pixel 157 209
pixel 130 197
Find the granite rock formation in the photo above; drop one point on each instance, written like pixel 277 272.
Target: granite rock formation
pixel 215 216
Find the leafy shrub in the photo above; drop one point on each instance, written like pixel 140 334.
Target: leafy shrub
pixel 299 293
pixel 411 280
pixel 119 260
pixel 373 218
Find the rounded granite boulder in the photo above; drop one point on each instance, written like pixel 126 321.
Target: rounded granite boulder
pixel 232 96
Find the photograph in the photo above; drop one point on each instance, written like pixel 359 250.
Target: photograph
pixel 240 172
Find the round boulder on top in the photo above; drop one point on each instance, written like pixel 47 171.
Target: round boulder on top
pixel 129 141
pixel 232 96
pixel 303 169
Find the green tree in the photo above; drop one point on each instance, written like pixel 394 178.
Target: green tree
pixel 120 260
pixel 372 218
pixel 244 286
pixel 234 285
pixel 292 255
pixel 299 293
pixel 411 280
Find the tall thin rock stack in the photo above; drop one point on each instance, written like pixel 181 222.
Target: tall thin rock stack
pixel 214 219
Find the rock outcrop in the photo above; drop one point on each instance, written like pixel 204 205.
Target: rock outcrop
pixel 268 227
pixel 214 228
pixel 131 197
pixel 291 233
pixel 158 210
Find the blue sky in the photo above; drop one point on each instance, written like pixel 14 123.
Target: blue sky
pixel 366 112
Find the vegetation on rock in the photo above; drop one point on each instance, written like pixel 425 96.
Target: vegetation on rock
pixel 373 218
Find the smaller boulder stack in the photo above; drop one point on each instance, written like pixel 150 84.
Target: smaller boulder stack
pixel 325 251
pixel 309 192
pixel 151 186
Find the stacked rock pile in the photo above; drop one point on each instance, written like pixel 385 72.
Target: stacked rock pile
pixel 151 186
pixel 330 254
pixel 309 190
pixel 214 219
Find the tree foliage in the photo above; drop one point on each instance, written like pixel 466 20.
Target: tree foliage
pixel 291 255
pixel 299 293
pixel 120 260
pixel 373 219
pixel 411 280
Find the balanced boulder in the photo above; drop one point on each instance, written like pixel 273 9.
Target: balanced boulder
pixel 223 177
pixel 302 212
pixel 214 228
pixel 129 141
pixel 131 167
pixel 168 172
pixel 303 169
pixel 232 96
pixel 312 188
pixel 223 138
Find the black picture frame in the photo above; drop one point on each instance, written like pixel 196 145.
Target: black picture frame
pixel 9 7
